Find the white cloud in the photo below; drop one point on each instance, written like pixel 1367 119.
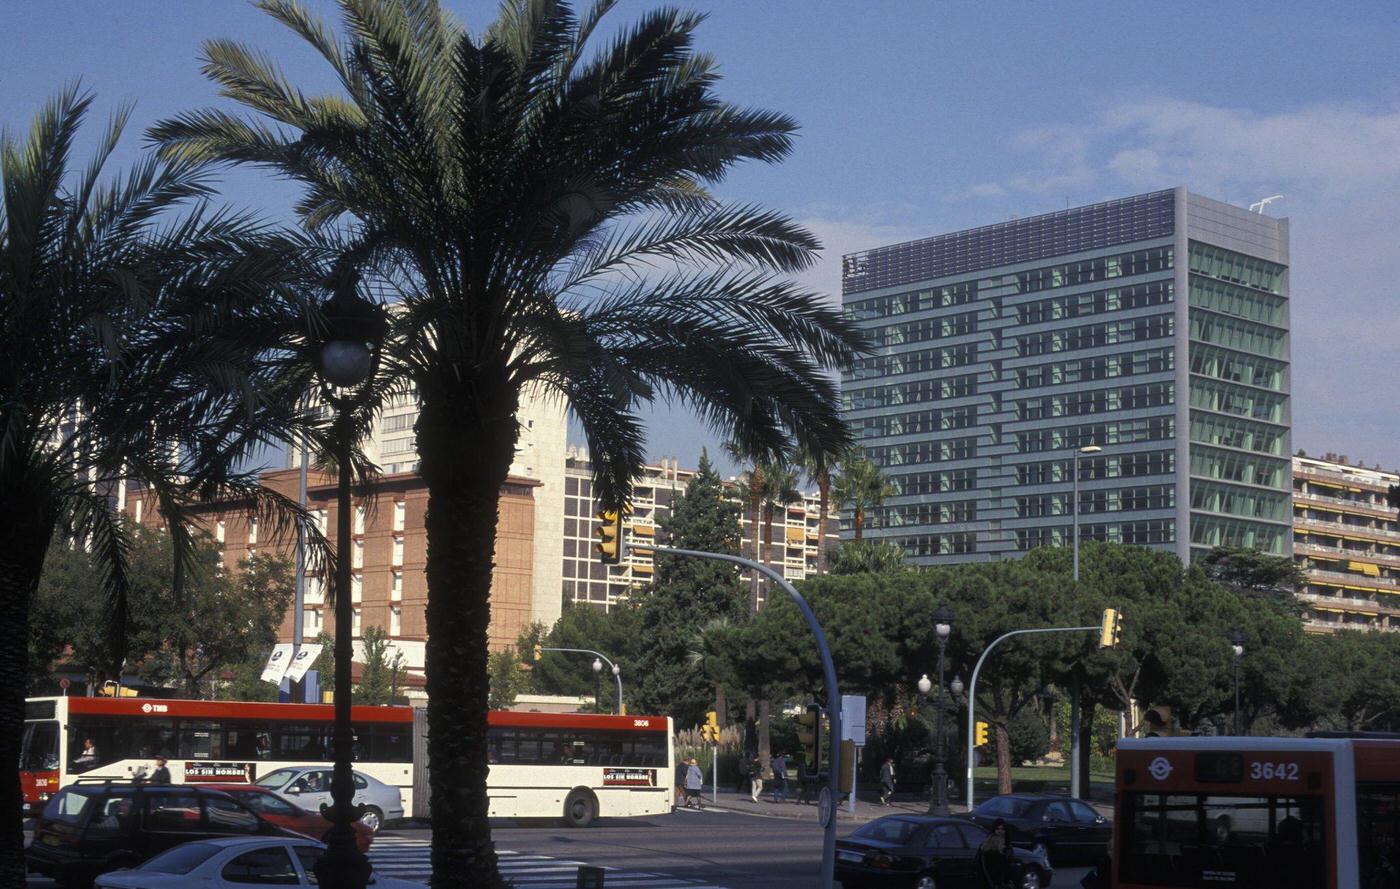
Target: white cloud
pixel 1338 166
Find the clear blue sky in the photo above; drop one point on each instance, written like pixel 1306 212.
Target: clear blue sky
pixel 923 117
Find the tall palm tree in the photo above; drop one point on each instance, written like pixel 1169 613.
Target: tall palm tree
pixel 817 464
pixel 540 210
pixel 751 481
pixel 131 316
pixel 862 486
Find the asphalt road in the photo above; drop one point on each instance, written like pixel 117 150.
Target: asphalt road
pixel 727 849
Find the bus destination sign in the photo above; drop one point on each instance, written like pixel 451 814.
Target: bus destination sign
pixel 629 777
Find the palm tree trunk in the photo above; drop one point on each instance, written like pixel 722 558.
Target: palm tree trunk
pixel 755 485
pixel 823 497
pixel 1003 759
pixel 24 540
pixel 859 522
pixel 463 494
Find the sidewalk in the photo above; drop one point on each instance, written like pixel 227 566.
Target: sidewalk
pixel 868 808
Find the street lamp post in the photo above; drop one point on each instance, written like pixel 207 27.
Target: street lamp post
pixel 598 684
pixel 346 357
pixel 1237 645
pixel 1074 505
pixel 938 799
pixel 598 656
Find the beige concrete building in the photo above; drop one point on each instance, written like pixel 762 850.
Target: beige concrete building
pixel 586 580
pixel 1347 540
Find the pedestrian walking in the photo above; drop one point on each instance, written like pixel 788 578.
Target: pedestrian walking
pixel 694 785
pixel 886 780
pixel 162 774
pixel 779 764
pixel 681 768
pixel 756 777
pixel 993 863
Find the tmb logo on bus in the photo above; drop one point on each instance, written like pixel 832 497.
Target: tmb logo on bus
pixel 629 777
pixel 220 771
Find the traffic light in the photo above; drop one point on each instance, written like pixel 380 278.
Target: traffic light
pixel 711 728
pixel 539 652
pixel 610 546
pixel 1112 627
pixel 809 734
pixel 982 734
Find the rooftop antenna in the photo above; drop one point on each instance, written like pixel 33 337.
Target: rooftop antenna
pixel 1259 205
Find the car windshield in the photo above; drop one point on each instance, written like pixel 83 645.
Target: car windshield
pixel 277 778
pixel 67 807
pixel 888 830
pixel 181 859
pixel 1004 807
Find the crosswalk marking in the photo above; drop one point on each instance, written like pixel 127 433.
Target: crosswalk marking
pixel 409 858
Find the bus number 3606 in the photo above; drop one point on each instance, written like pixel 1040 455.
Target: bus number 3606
pixel 1268 771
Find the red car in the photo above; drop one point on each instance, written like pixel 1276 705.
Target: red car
pixel 275 809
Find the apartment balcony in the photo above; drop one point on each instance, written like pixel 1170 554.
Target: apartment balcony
pixel 1354 581
pixel 1346 530
pixel 1343 479
pixel 1317 550
pixel 1347 605
pixel 1341 503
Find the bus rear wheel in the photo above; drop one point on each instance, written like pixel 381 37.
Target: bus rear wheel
pixel 580 809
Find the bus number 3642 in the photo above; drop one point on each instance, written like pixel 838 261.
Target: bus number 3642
pixel 1269 771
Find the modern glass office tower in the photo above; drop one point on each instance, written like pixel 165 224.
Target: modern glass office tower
pixel 1153 327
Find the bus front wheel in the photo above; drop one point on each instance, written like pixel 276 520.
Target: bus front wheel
pixel 580 809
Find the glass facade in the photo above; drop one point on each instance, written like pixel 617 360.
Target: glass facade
pixel 1075 337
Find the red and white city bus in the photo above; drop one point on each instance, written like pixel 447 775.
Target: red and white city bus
pixel 576 766
pixel 1283 813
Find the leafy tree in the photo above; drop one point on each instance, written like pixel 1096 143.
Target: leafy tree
pixel 325 662
pixel 115 295
pixel 1251 570
pixel 381 669
pixel 508 680
pixel 516 188
pixel 1027 738
pixel 244 682
pixel 688 593
pixel 219 620
pixel 614 632
pixel 862 486
pixel 868 557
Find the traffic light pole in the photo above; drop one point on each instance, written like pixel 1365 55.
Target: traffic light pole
pixel 833 694
pixel 972 694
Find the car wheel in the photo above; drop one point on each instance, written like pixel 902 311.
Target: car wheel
pixel 580 809
pixel 372 818
pixel 926 881
pixel 1032 879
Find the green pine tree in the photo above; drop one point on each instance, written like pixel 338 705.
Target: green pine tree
pixel 687 595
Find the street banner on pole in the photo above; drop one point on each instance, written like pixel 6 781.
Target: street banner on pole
pixel 302 661
pixel 277 663
pixel 853 719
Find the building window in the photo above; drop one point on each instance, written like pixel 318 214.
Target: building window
pixel 395 621
pixel 355 623
pixel 253 529
pixel 218 528
pixel 311 622
pixel 358 558
pixel 398 553
pixel 400 509
pixel 356 588
pixel 359 520
pixel 396 586
pixel 315 590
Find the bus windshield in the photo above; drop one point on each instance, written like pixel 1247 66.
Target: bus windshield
pixel 40 746
pixel 1188 839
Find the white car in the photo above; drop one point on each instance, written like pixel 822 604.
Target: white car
pixel 233 862
pixel 310 786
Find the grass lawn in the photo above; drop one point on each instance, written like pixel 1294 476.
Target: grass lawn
pixel 1040 773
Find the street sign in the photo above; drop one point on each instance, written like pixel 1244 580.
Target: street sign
pixel 277 663
pixel 302 661
pixel 853 719
pixel 64 683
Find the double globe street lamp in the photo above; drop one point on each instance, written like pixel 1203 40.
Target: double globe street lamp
pixel 938 796
pixel 346 346
pixel 1237 646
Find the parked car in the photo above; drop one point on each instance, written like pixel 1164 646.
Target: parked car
pixel 289 815
pixel 233 863
pixel 89 829
pixel 1066 830
pixel 309 786
pixel 924 852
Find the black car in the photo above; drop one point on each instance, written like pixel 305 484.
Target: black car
pixel 1063 829
pixel 89 829
pixel 925 852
